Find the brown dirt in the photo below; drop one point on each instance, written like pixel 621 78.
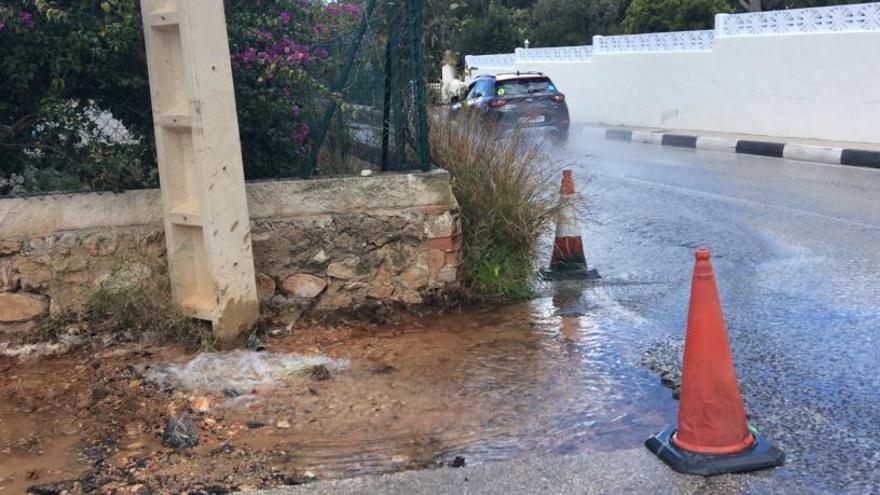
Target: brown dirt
pixel 418 393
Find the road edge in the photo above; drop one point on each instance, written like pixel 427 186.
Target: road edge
pixel 852 157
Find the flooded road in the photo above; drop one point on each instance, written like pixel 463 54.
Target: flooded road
pixel 795 251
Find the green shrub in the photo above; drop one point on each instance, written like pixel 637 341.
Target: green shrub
pixel 506 189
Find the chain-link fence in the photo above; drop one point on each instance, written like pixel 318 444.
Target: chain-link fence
pixel 322 89
pixel 383 115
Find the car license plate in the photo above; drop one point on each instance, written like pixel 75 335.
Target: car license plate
pixel 538 119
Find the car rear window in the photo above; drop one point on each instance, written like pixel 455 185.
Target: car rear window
pixel 524 86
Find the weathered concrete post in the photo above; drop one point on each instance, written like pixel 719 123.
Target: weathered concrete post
pixel 200 166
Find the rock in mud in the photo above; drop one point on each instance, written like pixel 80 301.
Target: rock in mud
pixel 58 488
pixel 320 373
pixel 457 462
pixel 384 369
pixel 180 433
pixel 303 286
pixel 200 404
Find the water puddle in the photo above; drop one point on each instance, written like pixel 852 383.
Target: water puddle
pixel 553 376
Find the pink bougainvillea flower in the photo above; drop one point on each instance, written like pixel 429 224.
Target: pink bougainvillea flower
pixel 248 55
pixel 335 9
pixel 285 17
pixel 26 19
pixel 300 136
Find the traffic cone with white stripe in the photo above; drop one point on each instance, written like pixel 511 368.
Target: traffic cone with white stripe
pixel 568 260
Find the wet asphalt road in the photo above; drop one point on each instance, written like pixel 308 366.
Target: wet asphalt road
pixel 796 250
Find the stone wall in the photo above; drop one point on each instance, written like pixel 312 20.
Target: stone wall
pixel 320 246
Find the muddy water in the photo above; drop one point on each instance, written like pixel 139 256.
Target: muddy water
pixel 553 376
pixel 37 438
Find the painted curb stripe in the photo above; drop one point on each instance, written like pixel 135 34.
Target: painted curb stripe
pixel 711 143
pixel 860 158
pixel 679 140
pixel 800 152
pixel 762 148
pixel 618 134
pixel 810 153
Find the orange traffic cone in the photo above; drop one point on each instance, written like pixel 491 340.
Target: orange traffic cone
pixel 713 436
pixel 568 260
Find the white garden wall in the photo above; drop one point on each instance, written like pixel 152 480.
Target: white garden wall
pixel 808 73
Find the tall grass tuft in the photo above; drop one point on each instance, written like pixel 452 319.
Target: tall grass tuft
pixel 134 302
pixel 506 188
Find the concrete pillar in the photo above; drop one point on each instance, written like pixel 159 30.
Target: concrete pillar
pixel 207 227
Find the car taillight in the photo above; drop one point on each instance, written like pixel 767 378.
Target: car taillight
pixel 497 102
pixel 558 98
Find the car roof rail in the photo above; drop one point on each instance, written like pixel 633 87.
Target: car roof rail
pixel 520 73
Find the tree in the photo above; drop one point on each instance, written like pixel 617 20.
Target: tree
pixel 759 5
pixel 499 30
pixel 649 16
pixel 573 22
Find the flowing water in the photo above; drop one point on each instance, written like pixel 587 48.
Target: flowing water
pixel 556 375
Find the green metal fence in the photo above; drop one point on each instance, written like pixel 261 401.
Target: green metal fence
pixel 382 116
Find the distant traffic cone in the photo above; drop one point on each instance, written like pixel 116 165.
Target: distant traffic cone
pixel 713 436
pixel 568 260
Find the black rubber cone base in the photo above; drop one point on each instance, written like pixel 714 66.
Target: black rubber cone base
pixel 570 272
pixel 761 455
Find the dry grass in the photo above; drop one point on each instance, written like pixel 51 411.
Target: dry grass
pixel 506 188
pixel 133 303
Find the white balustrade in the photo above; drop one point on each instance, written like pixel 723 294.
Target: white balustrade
pixel 555 54
pixel 840 18
pixel 679 41
pixel 505 61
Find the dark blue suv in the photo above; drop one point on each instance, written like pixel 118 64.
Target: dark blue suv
pixel 518 100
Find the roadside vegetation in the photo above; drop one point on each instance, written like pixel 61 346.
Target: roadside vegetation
pixel 75 105
pixel 133 304
pixel 506 189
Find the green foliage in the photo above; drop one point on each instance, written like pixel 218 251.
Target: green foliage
pixel 507 195
pixel 573 22
pixel 647 16
pixel 75 103
pixel 285 53
pixel 499 29
pixel 62 68
pixel 498 273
